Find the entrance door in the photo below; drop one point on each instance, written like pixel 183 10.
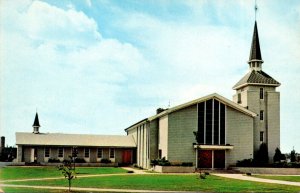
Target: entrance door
pixel 205 159
pixel 127 156
pixel 219 159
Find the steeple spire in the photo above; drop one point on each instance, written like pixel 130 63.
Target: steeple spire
pixel 255 59
pixel 36 124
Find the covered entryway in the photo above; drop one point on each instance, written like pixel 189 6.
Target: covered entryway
pixel 211 156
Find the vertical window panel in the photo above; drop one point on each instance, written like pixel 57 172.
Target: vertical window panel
pixel 61 152
pixel 99 153
pixel 86 152
pixel 261 93
pixel 222 124
pixel 112 153
pixel 261 115
pixel 209 122
pixel 216 122
pixel 201 121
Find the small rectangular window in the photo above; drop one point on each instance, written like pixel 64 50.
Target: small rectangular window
pixel 86 152
pixel 159 154
pixel 239 98
pixel 47 152
pixel 111 153
pixel 261 115
pixel 261 137
pixel 261 93
pixel 99 153
pixel 61 152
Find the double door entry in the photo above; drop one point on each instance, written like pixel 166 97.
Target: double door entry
pixel 211 159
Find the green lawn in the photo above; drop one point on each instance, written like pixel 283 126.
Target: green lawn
pixel 7 173
pixel 169 182
pixel 285 178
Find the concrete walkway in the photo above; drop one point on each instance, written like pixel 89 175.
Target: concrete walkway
pixel 249 178
pixel 81 189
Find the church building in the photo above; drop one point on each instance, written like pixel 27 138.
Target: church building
pixel 209 132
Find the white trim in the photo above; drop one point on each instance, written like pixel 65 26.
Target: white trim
pixel 213 147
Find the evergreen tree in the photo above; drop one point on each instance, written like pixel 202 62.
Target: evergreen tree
pixel 262 156
pixel 277 157
pixel 293 156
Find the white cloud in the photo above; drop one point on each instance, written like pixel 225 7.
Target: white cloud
pixel 45 22
pixel 63 68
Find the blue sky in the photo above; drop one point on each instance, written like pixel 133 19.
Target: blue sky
pixel 99 66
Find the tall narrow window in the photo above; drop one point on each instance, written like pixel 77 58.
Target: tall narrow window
pixel 201 124
pixel 222 123
pixel 99 153
pixel 86 152
pixel 61 152
pixel 216 122
pixel 261 115
pixel 261 136
pixel 47 152
pixel 261 93
pixel 209 121
pixel 111 153
pixel 239 98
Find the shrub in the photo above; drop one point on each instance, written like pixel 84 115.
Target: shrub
pixel 245 163
pixel 160 162
pixel 53 160
pixel 79 160
pixel 106 161
pixel 187 164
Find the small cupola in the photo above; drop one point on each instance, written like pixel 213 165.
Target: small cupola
pixel 36 124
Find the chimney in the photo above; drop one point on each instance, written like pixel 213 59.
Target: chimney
pixel 159 110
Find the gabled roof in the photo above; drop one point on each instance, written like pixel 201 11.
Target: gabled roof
pixel 255 53
pixel 36 122
pixel 61 139
pixel 256 78
pixel 199 100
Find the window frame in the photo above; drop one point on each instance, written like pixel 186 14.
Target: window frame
pixel 261 115
pixel 261 136
pixel 261 93
pixel 60 154
pixel 112 155
pixel 239 101
pixel 87 152
pixel 45 154
pixel 98 152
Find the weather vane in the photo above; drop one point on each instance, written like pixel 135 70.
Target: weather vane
pixel 255 8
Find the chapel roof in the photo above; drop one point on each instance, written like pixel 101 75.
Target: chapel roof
pixel 254 77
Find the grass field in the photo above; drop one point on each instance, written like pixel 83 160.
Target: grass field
pixel 9 173
pixel 285 178
pixel 133 181
pixel 169 182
